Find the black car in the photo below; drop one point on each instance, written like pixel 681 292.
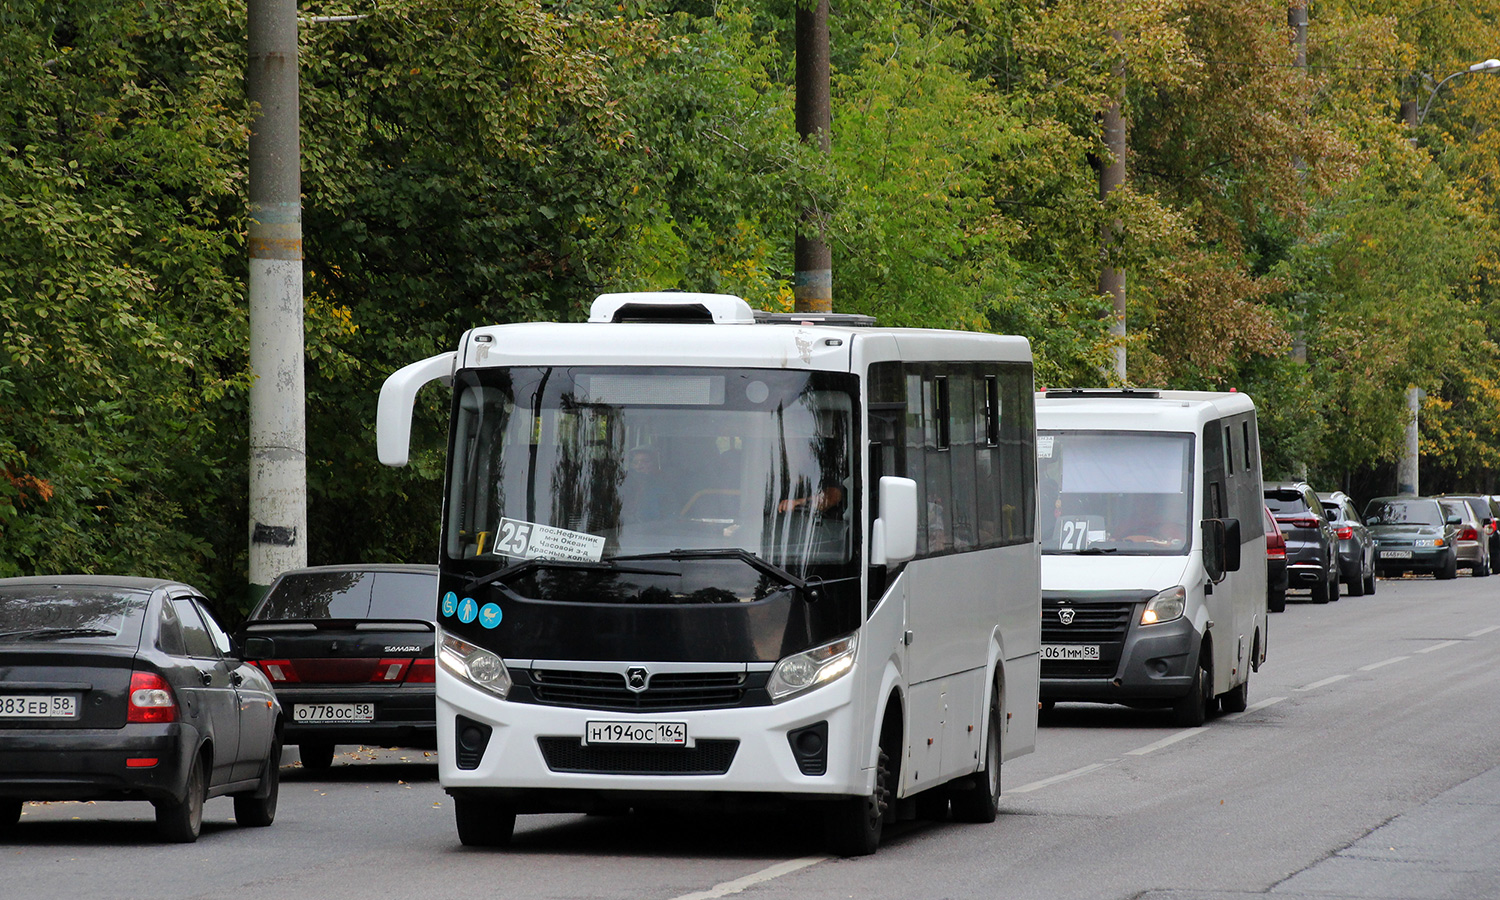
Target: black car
pixel 1356 546
pixel 350 650
pixel 1311 543
pixel 126 689
pixel 1413 534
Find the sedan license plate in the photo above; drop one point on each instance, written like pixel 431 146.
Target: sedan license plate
pixel 668 733
pixel 53 706
pixel 1395 554
pixel 334 712
pixel 1070 651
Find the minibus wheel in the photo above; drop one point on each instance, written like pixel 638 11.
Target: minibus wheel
pixel 1192 709
pixel 853 826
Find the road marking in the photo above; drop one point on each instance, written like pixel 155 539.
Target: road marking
pixel 1439 646
pixel 1385 662
pixel 1324 683
pixel 1166 741
pixel 1483 631
pixel 754 878
pixel 1038 785
pixel 1253 707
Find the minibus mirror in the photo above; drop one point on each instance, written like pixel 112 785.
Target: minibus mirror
pixel 894 535
pixel 1213 549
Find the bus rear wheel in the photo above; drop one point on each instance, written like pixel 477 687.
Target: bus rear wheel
pixel 979 799
pixel 853 826
pixel 483 823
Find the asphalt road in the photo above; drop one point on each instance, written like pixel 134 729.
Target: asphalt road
pixel 1368 766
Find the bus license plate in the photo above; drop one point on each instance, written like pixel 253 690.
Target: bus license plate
pixel 55 706
pixel 667 733
pixel 334 712
pixel 1070 651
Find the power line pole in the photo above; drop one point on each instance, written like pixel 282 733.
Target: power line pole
pixel 278 427
pixel 812 285
pixel 1111 179
pixel 1296 19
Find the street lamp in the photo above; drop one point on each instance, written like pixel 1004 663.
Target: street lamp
pixel 1488 65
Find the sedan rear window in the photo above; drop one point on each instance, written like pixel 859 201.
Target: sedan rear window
pixel 48 613
pixel 1286 503
pixel 1403 512
pixel 351 595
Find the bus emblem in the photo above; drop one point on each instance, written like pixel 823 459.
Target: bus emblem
pixel 1065 615
pixel 635 680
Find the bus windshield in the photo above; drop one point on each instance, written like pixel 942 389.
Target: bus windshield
pixel 585 465
pixel 1114 492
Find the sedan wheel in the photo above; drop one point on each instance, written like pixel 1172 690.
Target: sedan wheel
pixel 10 814
pixel 257 809
pixel 180 821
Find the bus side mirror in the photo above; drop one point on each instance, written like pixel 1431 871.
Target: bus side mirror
pixel 398 396
pixel 893 538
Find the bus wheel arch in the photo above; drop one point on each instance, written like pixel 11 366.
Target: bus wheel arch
pixel 976 798
pixel 1192 709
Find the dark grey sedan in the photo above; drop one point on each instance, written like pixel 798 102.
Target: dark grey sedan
pixel 127 689
pixel 1413 534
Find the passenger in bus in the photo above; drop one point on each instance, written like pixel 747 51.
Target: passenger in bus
pixel 646 495
pixel 825 501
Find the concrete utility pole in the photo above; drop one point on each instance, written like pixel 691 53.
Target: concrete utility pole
pixel 812 285
pixel 1296 19
pixel 1406 468
pixel 278 427
pixel 1111 179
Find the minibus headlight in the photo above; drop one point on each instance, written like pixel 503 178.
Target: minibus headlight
pixel 475 665
pixel 1165 607
pixel 811 668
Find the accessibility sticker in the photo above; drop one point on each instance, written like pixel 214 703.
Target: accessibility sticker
pixel 489 615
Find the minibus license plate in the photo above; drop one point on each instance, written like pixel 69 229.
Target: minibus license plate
pixel 54 706
pixel 668 733
pixel 1070 651
pixel 1395 554
pixel 334 712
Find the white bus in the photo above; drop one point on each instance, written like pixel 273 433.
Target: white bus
pixel 695 554
pixel 1153 549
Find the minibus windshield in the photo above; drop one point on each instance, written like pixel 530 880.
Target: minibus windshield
pixel 587 464
pixel 1114 492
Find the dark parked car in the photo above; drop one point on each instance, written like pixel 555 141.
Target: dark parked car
pixel 1487 537
pixel 1275 565
pixel 126 689
pixel 350 651
pixel 1311 543
pixel 1356 546
pixel 1413 534
pixel 1473 544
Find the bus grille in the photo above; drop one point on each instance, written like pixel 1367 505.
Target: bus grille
pixel 1104 624
pixel 569 754
pixel 667 690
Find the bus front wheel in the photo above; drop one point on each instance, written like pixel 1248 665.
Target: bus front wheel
pixel 852 826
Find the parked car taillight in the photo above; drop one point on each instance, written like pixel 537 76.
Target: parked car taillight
pixel 1469 534
pixel 1300 521
pixel 280 671
pixel 1276 552
pixel 390 670
pixel 422 671
pixel 1346 532
pixel 151 699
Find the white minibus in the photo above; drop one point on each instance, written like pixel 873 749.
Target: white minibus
pixel 1153 549
pixel 697 555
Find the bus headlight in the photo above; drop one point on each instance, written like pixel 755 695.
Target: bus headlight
pixel 811 668
pixel 475 665
pixel 1165 607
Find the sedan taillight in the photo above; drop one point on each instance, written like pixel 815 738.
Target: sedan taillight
pixel 1345 532
pixel 280 671
pixel 1469 534
pixel 423 671
pixel 151 699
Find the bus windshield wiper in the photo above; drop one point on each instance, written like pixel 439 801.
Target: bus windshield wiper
pixel 1095 550
pixel 750 559
pixel 538 562
pixel 50 633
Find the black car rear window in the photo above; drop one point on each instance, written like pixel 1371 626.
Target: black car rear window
pixel 1286 503
pixel 52 613
pixel 1403 512
pixel 351 595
